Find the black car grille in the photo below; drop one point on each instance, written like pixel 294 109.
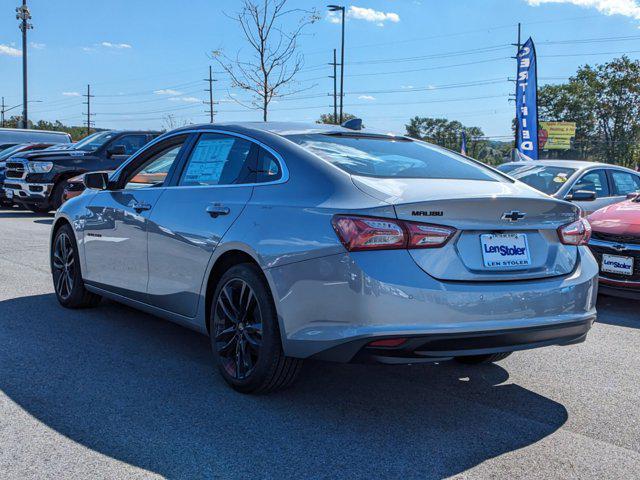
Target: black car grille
pixel 14 170
pixel 598 251
pixel 609 237
pixel 12 185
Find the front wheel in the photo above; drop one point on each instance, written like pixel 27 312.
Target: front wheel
pixel 479 359
pixel 245 336
pixel 65 269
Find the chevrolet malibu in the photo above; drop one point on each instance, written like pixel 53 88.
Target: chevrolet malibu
pixel 286 241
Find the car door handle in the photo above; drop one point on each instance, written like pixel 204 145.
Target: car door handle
pixel 217 210
pixel 141 206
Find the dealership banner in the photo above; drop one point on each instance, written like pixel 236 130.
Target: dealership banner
pixel 556 135
pixel 527 101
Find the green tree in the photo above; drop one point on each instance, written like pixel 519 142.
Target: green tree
pixel 447 134
pixel 330 119
pixel 604 101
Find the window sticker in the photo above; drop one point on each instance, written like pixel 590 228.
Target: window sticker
pixel 208 159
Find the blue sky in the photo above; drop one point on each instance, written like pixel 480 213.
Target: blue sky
pixel 146 59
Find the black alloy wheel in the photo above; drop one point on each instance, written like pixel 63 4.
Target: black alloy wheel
pixel 65 270
pixel 63 263
pixel 245 335
pixel 237 328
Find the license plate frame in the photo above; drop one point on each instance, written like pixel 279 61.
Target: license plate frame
pixel 505 251
pixel 618 264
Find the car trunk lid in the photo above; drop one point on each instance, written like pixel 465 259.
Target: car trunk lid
pixel 506 231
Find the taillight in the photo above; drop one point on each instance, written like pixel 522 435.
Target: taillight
pixel 424 235
pixel 367 233
pixel 576 233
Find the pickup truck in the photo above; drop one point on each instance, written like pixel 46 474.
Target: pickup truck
pixel 37 180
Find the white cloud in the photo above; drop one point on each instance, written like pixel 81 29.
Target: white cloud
pixel 37 46
pixel 167 91
pixel 366 97
pixel 9 51
pixel 431 87
pixel 115 45
pixel 371 15
pixel 185 99
pixel 407 87
pixel 88 49
pixel 628 8
pixel 70 94
pixel 333 17
pixel 366 14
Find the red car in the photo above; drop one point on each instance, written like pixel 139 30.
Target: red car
pixel 615 242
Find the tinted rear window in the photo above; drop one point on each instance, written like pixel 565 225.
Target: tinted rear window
pixel 389 158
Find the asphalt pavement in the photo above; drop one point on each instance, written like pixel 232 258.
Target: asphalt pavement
pixel 115 393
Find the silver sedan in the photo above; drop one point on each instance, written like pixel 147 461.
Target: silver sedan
pixel 591 185
pixel 289 241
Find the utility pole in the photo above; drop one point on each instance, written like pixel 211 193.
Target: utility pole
pixel 335 87
pixel 2 113
pixel 515 141
pixel 341 9
pixel 88 96
pixel 23 14
pixel 210 90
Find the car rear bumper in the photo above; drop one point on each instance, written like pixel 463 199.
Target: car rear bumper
pixel 332 307
pixel 21 191
pixel 619 288
pixel 435 347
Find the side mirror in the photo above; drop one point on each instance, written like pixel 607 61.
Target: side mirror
pixel 581 196
pixel 96 180
pixel 116 150
pixel 633 195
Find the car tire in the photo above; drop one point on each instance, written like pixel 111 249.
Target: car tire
pixel 245 336
pixel 65 270
pixel 479 359
pixel 56 199
pixel 38 208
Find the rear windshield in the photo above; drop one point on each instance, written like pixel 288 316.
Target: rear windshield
pixel 545 178
pixel 392 158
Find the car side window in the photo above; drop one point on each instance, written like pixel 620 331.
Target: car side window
pixel 268 168
pixel 154 171
pixel 594 181
pixel 131 143
pixel 624 182
pixel 218 159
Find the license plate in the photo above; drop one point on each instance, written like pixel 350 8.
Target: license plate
pixel 617 264
pixel 505 250
pixel 8 194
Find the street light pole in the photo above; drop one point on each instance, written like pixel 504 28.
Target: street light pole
pixel 341 9
pixel 24 15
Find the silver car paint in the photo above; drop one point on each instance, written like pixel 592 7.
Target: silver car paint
pixel 323 295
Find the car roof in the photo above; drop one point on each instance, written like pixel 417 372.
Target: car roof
pixel 285 128
pixel 577 164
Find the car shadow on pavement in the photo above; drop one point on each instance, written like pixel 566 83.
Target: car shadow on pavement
pixel 23 214
pixel 615 311
pixel 143 391
pixel 44 221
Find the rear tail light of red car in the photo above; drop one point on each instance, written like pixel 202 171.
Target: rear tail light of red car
pixel 576 233
pixel 369 233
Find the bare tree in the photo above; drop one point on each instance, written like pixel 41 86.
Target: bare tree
pixel 269 71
